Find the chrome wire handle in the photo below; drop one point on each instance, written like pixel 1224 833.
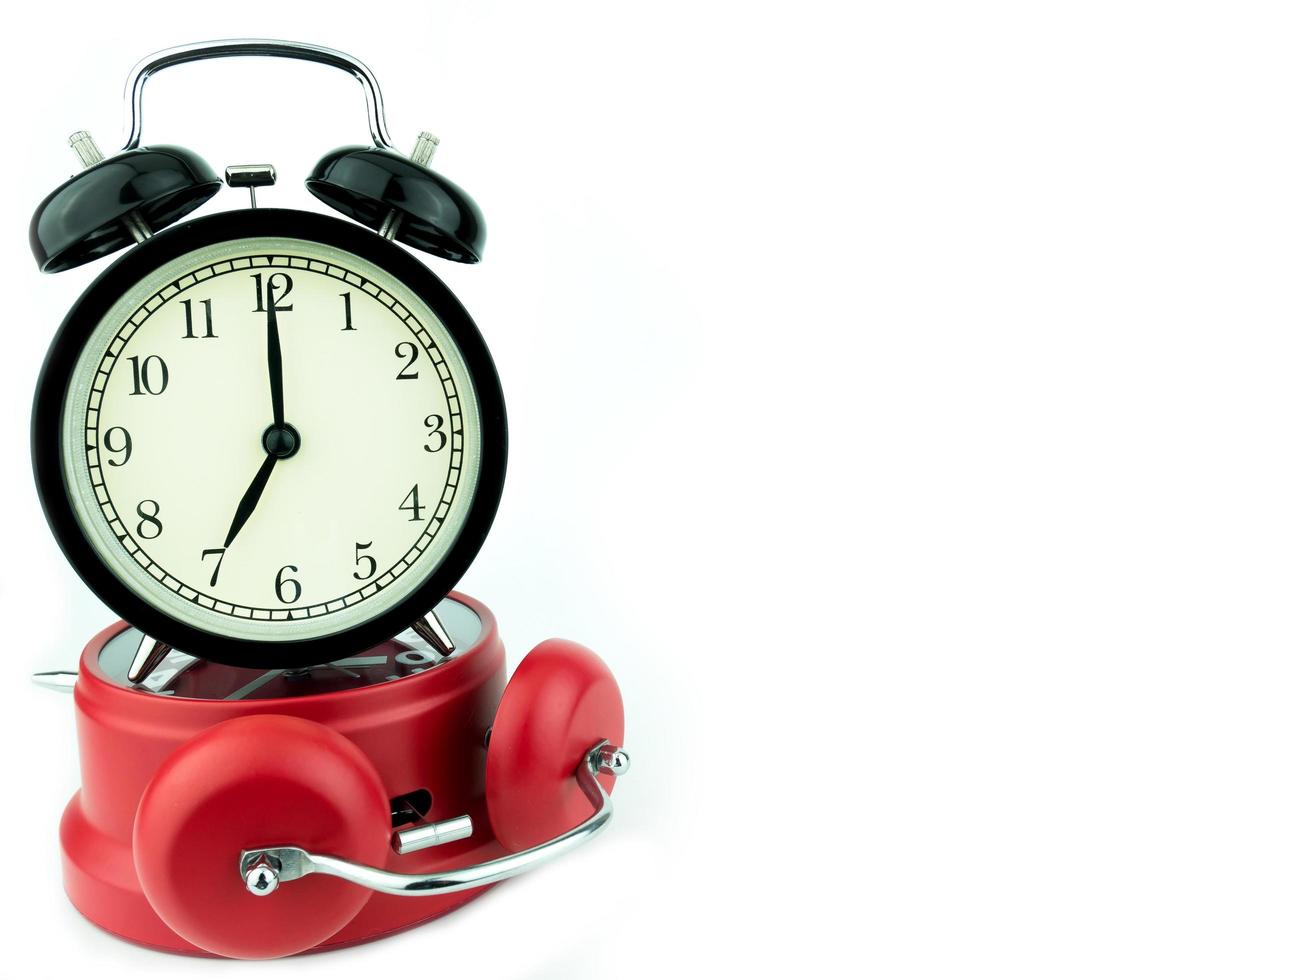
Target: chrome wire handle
pixel 256 48
pixel 264 868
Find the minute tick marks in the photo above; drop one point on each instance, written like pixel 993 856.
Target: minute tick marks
pixel 288 551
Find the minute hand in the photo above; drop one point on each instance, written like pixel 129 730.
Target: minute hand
pixel 274 363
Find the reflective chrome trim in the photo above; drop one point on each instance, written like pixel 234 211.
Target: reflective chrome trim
pixel 284 864
pixel 254 48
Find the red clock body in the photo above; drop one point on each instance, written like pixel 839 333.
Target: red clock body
pixel 421 734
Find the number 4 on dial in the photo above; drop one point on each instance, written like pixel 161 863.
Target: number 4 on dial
pixel 412 503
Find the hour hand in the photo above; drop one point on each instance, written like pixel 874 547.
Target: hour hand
pixel 250 500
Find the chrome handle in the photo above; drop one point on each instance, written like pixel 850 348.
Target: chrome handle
pixel 264 868
pixel 256 48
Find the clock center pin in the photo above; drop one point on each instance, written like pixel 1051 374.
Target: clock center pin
pixel 281 441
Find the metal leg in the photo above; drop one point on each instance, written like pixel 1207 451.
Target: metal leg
pixel 149 655
pixel 430 629
pixel 56 680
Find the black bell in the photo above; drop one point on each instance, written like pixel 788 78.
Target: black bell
pixel 101 209
pixel 401 199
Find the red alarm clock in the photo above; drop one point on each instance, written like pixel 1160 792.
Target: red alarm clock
pixel 272 441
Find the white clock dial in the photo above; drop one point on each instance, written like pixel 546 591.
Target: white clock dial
pixel 232 520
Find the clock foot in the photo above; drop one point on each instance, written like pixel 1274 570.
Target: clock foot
pixel 56 680
pixel 149 655
pixel 430 629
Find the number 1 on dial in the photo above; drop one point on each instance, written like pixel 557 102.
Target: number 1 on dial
pixel 348 311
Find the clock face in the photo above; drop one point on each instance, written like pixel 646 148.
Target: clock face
pixel 275 440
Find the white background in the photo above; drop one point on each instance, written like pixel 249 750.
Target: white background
pixel 905 400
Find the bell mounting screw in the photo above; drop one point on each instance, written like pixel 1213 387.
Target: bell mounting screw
pixel 420 155
pixel 611 760
pixel 89 154
pixel 262 876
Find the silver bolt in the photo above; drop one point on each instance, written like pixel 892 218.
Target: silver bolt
pixel 420 155
pixel 84 146
pixel 89 154
pixel 261 878
pixel 425 148
pixel 611 760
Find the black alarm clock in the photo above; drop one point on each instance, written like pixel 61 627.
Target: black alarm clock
pixel 266 437
pixel 272 441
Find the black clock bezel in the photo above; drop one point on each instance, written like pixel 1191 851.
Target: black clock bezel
pixel 76 329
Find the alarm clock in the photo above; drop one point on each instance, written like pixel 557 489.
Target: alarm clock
pixel 272 441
